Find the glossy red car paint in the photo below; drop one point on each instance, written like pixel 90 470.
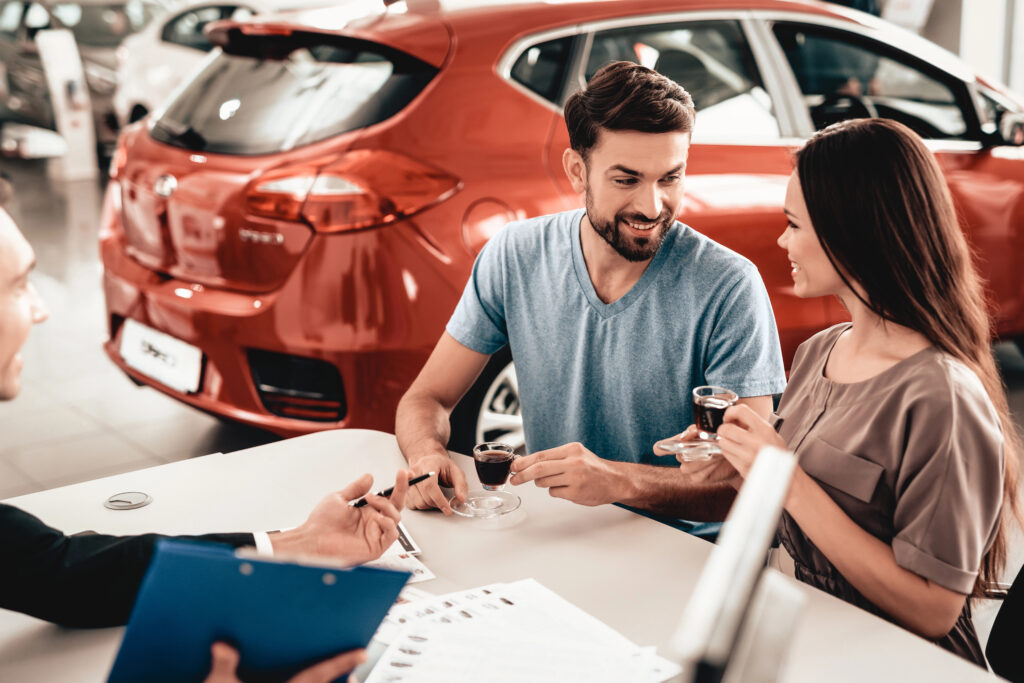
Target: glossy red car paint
pixel 225 268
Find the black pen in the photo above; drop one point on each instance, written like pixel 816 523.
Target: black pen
pixel 360 502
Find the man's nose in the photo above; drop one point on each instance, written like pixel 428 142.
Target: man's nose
pixel 39 310
pixel 650 203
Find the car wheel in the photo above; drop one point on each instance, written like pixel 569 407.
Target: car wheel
pixel 490 410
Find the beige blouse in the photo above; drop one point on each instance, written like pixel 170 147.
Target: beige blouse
pixel 913 455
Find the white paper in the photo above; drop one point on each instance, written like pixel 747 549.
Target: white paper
pixel 404 544
pixel 508 632
pixel 404 562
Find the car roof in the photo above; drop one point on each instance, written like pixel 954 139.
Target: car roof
pixel 534 16
pixel 412 25
pixel 270 5
pixel 102 3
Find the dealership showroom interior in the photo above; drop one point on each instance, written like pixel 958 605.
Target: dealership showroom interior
pixel 511 340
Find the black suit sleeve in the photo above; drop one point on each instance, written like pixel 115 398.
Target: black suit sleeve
pixel 86 580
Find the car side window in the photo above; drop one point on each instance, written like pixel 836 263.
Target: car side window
pixel 843 76
pixel 186 29
pixel 711 60
pixel 542 68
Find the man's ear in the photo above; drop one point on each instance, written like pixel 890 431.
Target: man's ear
pixel 575 169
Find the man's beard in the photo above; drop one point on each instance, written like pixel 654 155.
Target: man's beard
pixel 631 248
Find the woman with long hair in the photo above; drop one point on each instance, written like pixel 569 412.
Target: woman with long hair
pixel 908 458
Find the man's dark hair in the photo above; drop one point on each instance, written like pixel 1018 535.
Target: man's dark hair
pixel 627 96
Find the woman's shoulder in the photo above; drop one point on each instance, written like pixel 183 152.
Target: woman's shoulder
pixel 819 344
pixel 945 387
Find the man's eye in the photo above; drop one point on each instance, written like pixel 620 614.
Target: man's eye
pixel 671 179
pixel 625 181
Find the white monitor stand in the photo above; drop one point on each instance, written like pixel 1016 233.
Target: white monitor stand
pixel 738 622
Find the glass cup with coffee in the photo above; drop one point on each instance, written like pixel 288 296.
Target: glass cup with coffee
pixel 493 462
pixel 709 406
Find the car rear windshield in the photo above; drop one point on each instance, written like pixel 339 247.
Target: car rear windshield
pixel 268 94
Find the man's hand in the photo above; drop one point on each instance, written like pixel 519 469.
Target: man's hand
pixel 572 472
pixel 351 534
pixel 428 495
pixel 715 469
pixel 224 668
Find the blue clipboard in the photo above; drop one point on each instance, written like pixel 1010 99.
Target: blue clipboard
pixel 281 616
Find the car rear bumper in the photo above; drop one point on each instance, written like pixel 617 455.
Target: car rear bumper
pixel 357 302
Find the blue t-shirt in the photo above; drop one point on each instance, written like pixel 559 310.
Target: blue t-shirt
pixel 617 377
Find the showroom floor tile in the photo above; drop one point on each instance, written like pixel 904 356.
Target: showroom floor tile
pixel 78 417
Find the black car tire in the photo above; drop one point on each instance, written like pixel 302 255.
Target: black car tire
pixel 490 410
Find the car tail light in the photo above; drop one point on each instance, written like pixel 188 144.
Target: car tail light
pixel 362 189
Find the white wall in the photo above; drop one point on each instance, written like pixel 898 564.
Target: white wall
pixel 987 34
pixel 982 35
pixel 1016 76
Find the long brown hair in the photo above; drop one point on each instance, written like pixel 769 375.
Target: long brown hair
pixel 884 216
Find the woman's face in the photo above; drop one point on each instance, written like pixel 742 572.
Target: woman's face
pixel 813 273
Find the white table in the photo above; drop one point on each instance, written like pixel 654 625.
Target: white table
pixel 633 573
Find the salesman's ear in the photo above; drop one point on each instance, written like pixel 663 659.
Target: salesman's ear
pixel 6 191
pixel 576 169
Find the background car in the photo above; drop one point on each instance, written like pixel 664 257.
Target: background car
pixel 285 243
pixel 99 26
pixel 152 64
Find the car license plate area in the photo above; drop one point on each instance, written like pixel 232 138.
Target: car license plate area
pixel 160 356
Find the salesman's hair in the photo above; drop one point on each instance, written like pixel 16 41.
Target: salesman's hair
pixel 885 218
pixel 627 96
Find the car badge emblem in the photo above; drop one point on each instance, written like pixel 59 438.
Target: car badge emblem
pixel 260 237
pixel 165 185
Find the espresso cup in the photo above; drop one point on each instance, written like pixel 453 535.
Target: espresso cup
pixel 493 463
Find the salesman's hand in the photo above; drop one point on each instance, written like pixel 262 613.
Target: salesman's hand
pixel 428 495
pixel 571 472
pixel 351 534
pixel 743 434
pixel 713 470
pixel 224 668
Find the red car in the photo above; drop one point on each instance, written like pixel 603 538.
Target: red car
pixel 285 242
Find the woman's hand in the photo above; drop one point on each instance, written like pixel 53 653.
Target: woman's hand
pixel 743 434
pixel 709 471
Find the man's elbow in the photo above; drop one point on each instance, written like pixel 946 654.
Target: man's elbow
pixel 418 398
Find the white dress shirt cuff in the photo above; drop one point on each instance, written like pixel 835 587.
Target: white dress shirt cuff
pixel 263 544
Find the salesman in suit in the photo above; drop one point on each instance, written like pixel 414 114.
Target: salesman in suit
pixel 92 580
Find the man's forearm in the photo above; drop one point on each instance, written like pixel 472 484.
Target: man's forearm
pixel 667 491
pixel 421 427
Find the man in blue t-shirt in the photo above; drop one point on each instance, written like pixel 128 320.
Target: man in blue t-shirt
pixel 613 313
